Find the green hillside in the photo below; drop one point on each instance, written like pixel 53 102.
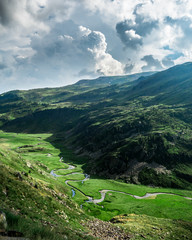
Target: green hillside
pixel 172 86
pixel 39 205
pixel 126 129
pixel 35 204
pixel 122 131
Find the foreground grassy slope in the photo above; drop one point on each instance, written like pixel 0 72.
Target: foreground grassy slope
pixel 151 228
pixel 35 203
pixel 45 203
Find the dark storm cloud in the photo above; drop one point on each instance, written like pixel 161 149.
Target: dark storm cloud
pixel 128 35
pixel 144 28
pixel 167 62
pixel 2 66
pixel 72 48
pixel 72 45
pixel 7 8
pixel 152 64
pixel 89 41
pixel 131 33
pixel 48 43
pixel 64 43
pixel 140 28
pixel 128 67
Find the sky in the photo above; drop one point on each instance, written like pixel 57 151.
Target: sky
pixel 52 43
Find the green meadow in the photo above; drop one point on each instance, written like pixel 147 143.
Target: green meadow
pixel 94 185
pixel 37 157
pixel 36 203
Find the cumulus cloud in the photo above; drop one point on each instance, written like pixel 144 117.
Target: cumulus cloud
pixel 131 32
pixel 67 50
pixel 128 35
pixel 128 68
pixel 163 31
pixel 104 62
pixel 6 15
pixel 184 26
pixel 53 43
pixel 110 11
pixel 152 64
pixel 167 62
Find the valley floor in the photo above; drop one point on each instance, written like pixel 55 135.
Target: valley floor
pixel 161 214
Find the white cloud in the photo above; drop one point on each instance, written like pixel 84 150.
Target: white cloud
pixel 65 37
pixel 168 37
pixel 105 63
pixel 45 37
pixel 132 35
pixel 112 11
pixel 84 31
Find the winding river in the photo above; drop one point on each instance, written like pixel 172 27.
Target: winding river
pixel 102 192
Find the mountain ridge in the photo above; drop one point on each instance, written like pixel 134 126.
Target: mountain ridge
pixel 121 126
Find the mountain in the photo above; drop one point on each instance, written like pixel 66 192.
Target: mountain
pixel 108 81
pixel 172 86
pixel 137 130
pixel 47 95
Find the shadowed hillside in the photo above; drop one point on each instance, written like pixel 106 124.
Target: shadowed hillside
pixel 138 131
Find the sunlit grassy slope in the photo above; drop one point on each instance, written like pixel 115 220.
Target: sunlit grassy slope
pixel 44 202
pixel 35 203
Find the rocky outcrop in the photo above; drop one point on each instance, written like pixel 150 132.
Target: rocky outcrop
pixel 3 222
pixel 106 231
